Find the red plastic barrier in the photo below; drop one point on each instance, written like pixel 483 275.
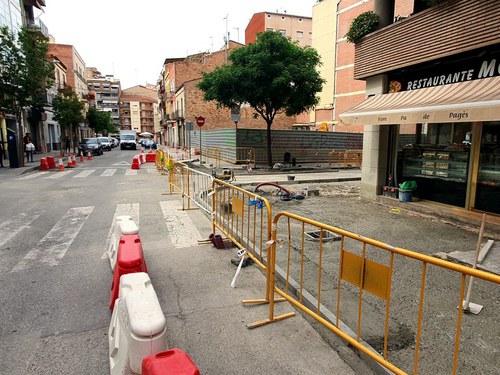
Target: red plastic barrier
pixel 51 162
pixel 44 166
pixel 150 158
pixel 135 162
pixel 130 259
pixel 169 362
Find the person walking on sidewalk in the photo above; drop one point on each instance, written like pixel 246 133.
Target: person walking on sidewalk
pixel 1 153
pixel 29 147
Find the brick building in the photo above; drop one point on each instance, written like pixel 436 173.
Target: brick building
pixel 75 79
pixel 431 112
pixel 181 102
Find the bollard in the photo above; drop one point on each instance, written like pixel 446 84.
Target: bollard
pixel 137 329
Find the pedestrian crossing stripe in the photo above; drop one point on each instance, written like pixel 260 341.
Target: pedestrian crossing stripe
pixel 51 249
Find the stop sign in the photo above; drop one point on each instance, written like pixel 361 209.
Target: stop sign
pixel 200 121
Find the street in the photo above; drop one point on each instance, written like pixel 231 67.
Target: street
pixel 54 229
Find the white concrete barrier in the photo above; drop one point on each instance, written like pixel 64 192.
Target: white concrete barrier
pixel 137 327
pixel 124 225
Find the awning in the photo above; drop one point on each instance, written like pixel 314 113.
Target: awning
pixel 477 100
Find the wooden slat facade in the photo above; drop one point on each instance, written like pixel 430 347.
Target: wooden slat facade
pixel 452 27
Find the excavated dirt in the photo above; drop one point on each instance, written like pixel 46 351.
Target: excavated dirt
pixel 339 205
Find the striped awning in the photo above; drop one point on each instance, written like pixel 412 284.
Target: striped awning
pixel 469 101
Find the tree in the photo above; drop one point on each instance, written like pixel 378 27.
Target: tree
pixel 100 121
pixel 68 112
pixel 273 75
pixel 25 72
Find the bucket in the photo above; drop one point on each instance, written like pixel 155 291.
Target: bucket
pixel 404 195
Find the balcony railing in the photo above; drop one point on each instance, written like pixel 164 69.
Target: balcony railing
pixel 37 25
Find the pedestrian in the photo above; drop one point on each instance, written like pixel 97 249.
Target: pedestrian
pixel 68 147
pixel 29 147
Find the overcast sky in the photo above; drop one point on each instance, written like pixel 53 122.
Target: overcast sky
pixel 131 39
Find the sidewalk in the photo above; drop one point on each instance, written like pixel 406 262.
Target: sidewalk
pixel 28 166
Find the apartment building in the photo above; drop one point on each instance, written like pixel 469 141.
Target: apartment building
pixel 431 114
pixel 139 109
pixel 104 93
pixel 181 101
pixel 298 28
pixel 75 78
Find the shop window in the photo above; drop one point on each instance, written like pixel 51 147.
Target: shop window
pixel 436 156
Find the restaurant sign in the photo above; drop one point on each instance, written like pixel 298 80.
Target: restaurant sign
pixel 446 73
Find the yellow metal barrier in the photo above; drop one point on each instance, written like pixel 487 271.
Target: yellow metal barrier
pixel 354 272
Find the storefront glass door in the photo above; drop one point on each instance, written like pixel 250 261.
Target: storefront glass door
pixel 488 176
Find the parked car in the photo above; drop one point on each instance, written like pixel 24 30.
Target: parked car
pixel 114 142
pixel 93 145
pixel 106 143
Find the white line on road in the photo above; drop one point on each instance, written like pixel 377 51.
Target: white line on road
pixel 58 175
pixel 84 173
pixel 152 171
pixel 11 227
pixel 54 245
pixel 32 175
pixel 131 172
pixel 108 173
pixel 180 227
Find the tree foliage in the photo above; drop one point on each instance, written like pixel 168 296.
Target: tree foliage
pixel 362 25
pixel 68 111
pixel 273 75
pixel 100 121
pixel 25 72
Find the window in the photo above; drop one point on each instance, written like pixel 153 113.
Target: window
pixel 269 29
pixel 300 34
pixel 283 32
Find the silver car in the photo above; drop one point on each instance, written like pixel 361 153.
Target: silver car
pixel 106 143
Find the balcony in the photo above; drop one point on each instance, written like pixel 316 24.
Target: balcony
pixel 37 25
pixel 447 29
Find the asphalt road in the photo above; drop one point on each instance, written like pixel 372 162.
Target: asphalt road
pixel 54 286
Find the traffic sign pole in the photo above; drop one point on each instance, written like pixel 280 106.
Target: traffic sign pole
pixel 200 121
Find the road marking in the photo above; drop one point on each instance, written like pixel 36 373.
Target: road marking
pixel 11 227
pixel 51 248
pixel 152 171
pixel 131 172
pixel 108 173
pixel 32 175
pixel 84 173
pixel 58 175
pixel 122 163
pixel 179 225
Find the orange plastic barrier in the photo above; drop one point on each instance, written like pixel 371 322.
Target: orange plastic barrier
pixel 51 161
pixel 130 259
pixel 169 362
pixel 44 166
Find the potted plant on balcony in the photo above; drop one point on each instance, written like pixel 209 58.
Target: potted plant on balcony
pixel 362 25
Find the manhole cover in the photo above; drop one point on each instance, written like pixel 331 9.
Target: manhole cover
pixel 327 236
